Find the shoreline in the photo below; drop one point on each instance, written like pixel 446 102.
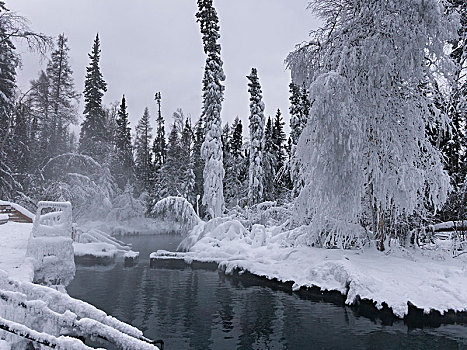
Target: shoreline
pixel 415 318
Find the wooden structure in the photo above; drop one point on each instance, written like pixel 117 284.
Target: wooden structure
pixel 14 214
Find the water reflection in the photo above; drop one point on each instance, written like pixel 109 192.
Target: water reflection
pixel 201 309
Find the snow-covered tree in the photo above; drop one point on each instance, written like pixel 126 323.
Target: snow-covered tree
pixel 123 167
pixel 236 141
pixel 186 163
pixel 256 171
pixel 159 148
pixel 279 140
pixel 269 163
pixel 365 143
pixel 93 136
pixel 211 150
pixel 198 165
pixel 297 118
pixel 143 156
pixel 63 97
pixel 235 167
pixel 13 27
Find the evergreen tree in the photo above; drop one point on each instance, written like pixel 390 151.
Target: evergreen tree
pixel 172 164
pixel 226 140
pixel 198 166
pixel 279 139
pixel 159 147
pixel 62 98
pixel 186 163
pixel 235 167
pixel 269 162
pixel 123 169
pixel 211 150
pixel 236 141
pixel 143 162
pixel 256 172
pixel 296 113
pixel 453 142
pixel 94 136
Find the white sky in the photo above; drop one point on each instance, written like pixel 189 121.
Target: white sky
pixel 155 45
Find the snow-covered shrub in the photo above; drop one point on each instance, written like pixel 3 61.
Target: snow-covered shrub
pixel 126 207
pixel 176 213
pixel 79 179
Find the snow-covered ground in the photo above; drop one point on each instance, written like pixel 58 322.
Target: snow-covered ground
pixel 430 281
pixel 13 244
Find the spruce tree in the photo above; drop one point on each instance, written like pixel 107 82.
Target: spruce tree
pixel 159 147
pixel 172 164
pixel 143 162
pixel 123 169
pixel 279 140
pixel 198 166
pixel 93 136
pixel 269 162
pixel 63 97
pixel 296 112
pixel 211 150
pixel 256 172
pixel 236 141
pixel 186 163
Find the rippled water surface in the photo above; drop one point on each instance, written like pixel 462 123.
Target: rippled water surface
pixel 203 309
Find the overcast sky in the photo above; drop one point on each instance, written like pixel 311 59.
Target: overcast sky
pixel 155 45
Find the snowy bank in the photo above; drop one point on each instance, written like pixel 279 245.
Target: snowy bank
pixel 396 278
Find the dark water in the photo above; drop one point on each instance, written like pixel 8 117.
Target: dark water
pixel 202 309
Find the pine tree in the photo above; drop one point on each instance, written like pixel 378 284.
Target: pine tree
pixel 143 162
pixel 63 97
pixel 211 150
pixel 94 136
pixel 123 169
pixel 256 172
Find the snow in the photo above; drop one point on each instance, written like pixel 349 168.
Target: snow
pixel 4 217
pixel 13 243
pixel 99 250
pixel 131 255
pixel 427 280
